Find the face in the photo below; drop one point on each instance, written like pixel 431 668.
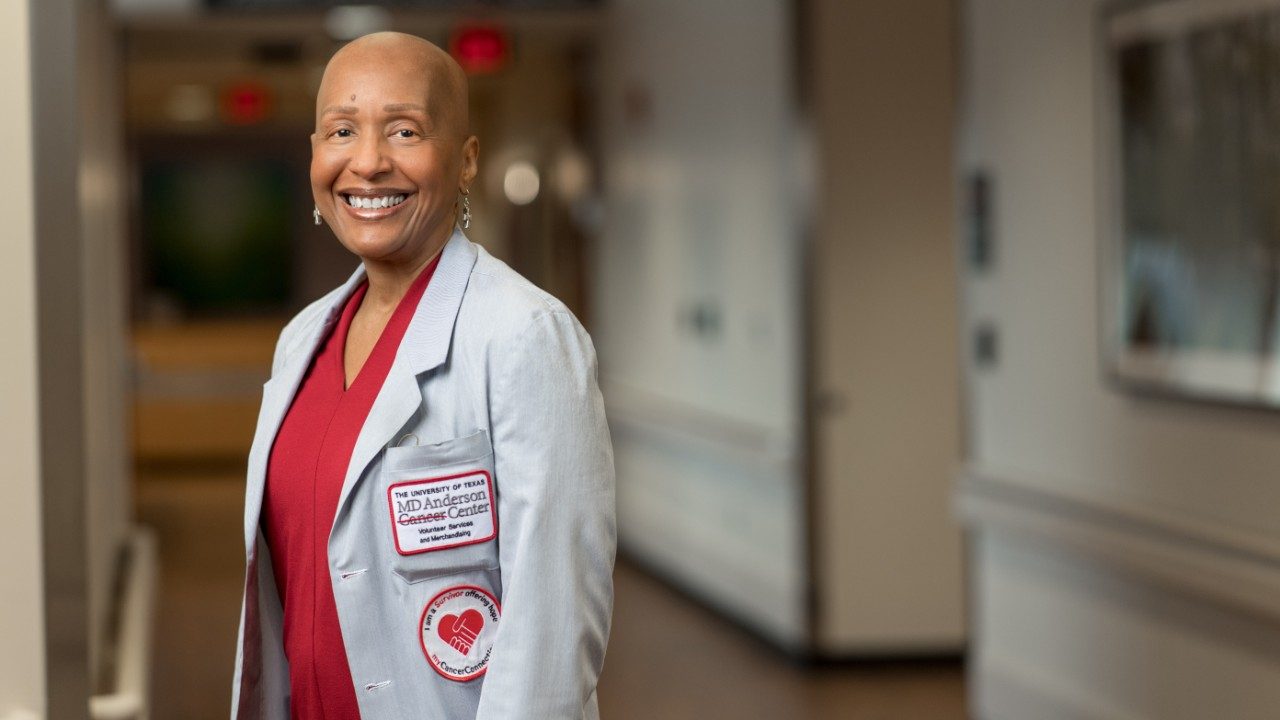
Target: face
pixel 386 167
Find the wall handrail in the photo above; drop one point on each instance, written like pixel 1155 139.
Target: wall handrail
pixel 131 697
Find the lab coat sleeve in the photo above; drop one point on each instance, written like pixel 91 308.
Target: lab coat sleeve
pixel 555 486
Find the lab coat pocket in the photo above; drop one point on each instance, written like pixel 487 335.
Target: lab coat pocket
pixel 442 508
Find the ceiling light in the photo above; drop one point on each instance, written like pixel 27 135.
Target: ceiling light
pixel 348 22
pixel 521 182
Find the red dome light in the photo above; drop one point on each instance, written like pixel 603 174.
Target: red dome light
pixel 246 103
pixel 479 48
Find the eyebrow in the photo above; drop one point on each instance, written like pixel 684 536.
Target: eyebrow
pixel 402 107
pixel 392 108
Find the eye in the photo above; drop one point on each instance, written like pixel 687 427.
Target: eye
pixel 342 132
pixel 405 133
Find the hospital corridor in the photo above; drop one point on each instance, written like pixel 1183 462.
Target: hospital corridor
pixel 641 360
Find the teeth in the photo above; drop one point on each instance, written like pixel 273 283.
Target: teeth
pixel 371 203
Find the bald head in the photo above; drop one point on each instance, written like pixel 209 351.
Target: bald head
pixel 419 66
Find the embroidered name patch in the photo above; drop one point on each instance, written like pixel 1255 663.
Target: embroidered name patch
pixel 457 629
pixel 442 513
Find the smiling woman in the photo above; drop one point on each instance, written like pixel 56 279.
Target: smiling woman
pixel 355 607
pixel 392 123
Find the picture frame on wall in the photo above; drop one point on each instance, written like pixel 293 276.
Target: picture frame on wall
pixel 1190 238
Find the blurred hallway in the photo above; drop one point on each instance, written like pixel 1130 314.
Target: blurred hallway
pixel 946 328
pixel 669 659
pixel 754 221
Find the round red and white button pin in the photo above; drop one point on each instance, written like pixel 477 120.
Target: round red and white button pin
pixel 457 629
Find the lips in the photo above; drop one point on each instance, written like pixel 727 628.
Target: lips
pixel 373 204
pixel 377 201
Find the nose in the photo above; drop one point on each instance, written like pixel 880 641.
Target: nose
pixel 369 158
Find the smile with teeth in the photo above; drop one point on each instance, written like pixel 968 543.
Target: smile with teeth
pixel 381 201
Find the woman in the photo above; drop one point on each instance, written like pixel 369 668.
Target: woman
pixel 429 513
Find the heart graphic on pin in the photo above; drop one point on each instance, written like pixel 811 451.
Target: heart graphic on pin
pixel 460 631
pixel 463 618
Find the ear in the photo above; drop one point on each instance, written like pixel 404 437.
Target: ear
pixel 470 161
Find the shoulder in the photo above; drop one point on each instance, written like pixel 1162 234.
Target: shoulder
pixel 502 305
pixel 539 355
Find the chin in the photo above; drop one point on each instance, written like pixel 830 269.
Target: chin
pixel 375 247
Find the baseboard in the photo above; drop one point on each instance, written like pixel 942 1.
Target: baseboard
pixel 799 652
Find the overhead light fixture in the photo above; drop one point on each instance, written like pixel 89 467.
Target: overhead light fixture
pixel 348 22
pixel 521 182
pixel 247 102
pixel 480 49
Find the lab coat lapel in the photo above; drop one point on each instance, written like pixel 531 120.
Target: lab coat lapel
pixel 278 394
pixel 424 347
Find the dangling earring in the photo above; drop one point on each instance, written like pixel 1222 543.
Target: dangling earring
pixel 466 209
pixel 316 214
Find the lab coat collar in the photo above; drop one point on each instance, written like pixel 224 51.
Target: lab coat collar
pixel 430 333
pixel 424 347
pixel 297 355
pixel 427 339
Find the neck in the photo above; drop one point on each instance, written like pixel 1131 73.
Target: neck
pixel 389 279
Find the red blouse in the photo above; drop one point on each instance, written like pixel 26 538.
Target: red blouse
pixel 304 479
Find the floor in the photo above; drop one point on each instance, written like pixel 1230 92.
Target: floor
pixel 669 659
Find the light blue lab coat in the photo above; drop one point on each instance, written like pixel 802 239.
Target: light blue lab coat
pixel 492 375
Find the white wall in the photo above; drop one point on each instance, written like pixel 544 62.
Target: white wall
pixel 22 682
pixel 1128 549
pixel 700 143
